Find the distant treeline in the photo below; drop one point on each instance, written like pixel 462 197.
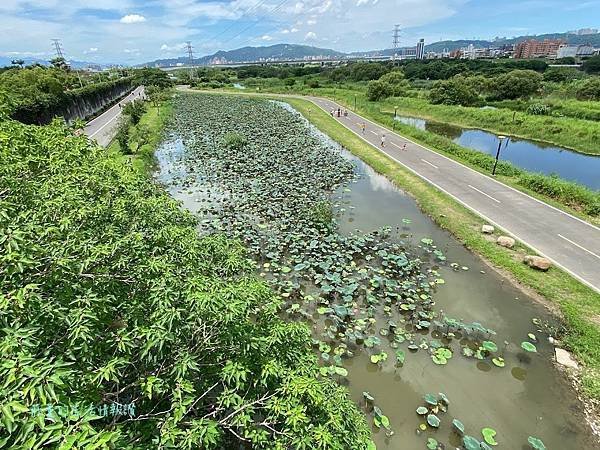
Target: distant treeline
pixel 438 69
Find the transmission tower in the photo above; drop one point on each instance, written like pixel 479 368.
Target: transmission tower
pixel 58 49
pixel 396 42
pixel 190 51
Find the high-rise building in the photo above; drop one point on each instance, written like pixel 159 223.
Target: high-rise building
pixel 421 49
pixel 532 48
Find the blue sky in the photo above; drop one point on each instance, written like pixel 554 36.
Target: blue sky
pixel 133 31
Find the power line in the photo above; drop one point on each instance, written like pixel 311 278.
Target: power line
pixel 253 24
pixel 251 10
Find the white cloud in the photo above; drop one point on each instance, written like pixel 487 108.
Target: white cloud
pixel 266 37
pixel 90 50
pixel 310 36
pixel 132 18
pixel 294 30
pixel 311 22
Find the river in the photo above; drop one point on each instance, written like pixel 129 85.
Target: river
pixel 527 397
pixel 530 155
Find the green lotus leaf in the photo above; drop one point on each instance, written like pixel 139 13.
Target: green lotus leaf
pixel 433 420
pixel 489 435
pixel 498 362
pixel 490 346
pixel 529 347
pixel 432 444
pixel 470 443
pixel 458 425
pixel 536 443
pixel 421 410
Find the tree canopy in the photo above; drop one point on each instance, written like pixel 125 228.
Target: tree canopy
pixel 109 298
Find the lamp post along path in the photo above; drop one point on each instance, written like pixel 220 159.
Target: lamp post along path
pixel 500 140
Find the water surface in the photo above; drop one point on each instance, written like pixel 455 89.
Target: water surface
pixel 527 154
pixel 527 397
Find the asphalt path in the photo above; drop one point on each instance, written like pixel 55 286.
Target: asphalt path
pixel 102 129
pixel 569 242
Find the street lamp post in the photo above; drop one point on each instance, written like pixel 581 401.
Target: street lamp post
pixel 395 111
pixel 500 139
pixel 355 102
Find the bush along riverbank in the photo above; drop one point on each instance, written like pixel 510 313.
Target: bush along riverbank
pixel 253 171
pixel 122 328
pixel 578 305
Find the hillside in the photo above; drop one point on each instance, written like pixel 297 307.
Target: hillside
pixel 278 51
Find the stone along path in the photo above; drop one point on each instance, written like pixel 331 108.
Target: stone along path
pixel 569 242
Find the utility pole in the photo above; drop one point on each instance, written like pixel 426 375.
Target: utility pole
pixel 60 54
pixel 396 42
pixel 190 51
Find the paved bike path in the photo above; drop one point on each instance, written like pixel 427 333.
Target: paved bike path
pixel 569 242
pixel 102 129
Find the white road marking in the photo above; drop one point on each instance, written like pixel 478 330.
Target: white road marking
pixel 577 245
pixel 373 132
pixel 431 164
pixel 102 127
pixel 393 143
pixel 483 193
pixel 482 215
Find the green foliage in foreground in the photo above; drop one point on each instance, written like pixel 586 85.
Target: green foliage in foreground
pixel 109 296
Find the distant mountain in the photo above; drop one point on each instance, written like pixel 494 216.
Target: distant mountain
pixel 271 52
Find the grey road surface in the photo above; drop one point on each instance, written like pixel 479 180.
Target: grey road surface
pixel 569 242
pixel 102 129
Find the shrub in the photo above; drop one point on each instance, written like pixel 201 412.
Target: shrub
pixel 135 110
pixel 538 109
pixel 399 85
pixel 235 141
pixel 454 91
pixel 589 89
pixel 313 83
pixel 109 296
pixel 592 65
pixel 122 136
pixel 377 90
pixel 515 84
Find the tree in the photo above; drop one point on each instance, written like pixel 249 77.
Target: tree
pixel 135 110
pixel 155 77
pixel 455 91
pixel 377 90
pixel 562 74
pixel 592 65
pixel 589 89
pixel 18 62
pixel 397 81
pixel 515 84
pixel 122 136
pixel 108 296
pixel 59 63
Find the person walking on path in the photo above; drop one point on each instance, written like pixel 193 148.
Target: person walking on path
pixel 363 126
pixel 404 147
pixel 383 140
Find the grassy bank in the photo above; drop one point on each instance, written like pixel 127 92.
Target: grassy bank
pixel 578 304
pixel 145 136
